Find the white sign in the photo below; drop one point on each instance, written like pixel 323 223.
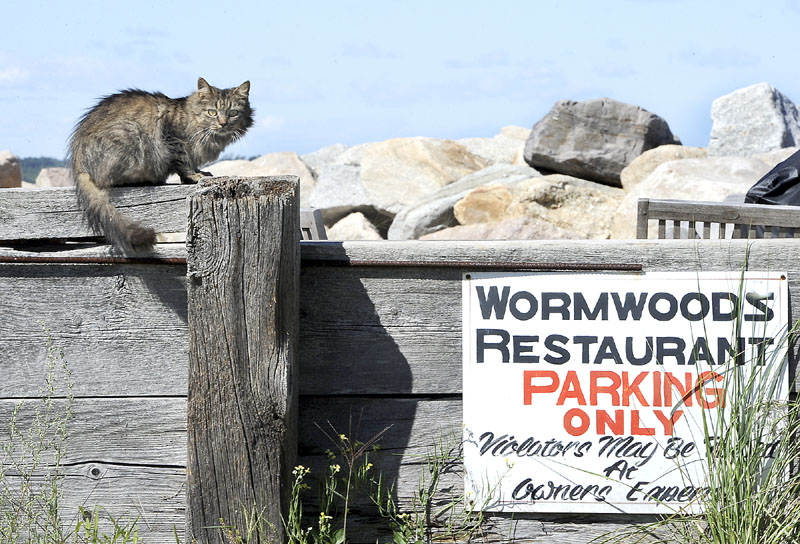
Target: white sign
pixel 588 392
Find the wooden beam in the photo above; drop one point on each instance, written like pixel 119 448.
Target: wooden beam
pixel 54 213
pixel 243 263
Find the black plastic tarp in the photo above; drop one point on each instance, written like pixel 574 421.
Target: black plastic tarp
pixel 781 185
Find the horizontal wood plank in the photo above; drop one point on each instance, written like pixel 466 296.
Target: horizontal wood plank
pixel 722 212
pixel 122 328
pixel 54 213
pixel 154 495
pixel 122 457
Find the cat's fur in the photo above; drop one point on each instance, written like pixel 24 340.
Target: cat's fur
pixel 139 138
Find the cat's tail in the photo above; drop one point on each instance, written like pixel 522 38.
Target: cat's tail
pixel 104 218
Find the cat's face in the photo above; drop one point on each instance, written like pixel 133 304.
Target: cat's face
pixel 221 113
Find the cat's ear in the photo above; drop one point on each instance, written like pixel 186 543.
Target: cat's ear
pixel 243 89
pixel 202 85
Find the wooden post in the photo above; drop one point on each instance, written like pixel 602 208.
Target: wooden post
pixel 243 267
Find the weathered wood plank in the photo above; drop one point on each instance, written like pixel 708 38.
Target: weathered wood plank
pixel 54 213
pixel 122 327
pixel 132 431
pixel 132 340
pixel 243 270
pixel 744 215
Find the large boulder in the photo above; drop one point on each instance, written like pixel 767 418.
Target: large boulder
pixel 435 211
pixel 54 176
pixel 339 192
pixel 582 207
pixel 711 179
pixel 503 148
pixel 397 173
pixel 10 170
pixel 353 227
pixel 594 139
pixel 288 163
pixel 322 157
pixel 644 164
pixel 271 164
pixel 753 120
pixel 511 228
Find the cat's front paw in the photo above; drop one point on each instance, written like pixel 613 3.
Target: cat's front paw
pixel 193 177
pixel 207 174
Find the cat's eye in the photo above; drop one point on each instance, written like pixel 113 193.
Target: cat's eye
pixel 212 113
pixel 233 113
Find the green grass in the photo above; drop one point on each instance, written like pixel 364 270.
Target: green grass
pixel 750 470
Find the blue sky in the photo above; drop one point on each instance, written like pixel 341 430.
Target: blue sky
pixel 357 71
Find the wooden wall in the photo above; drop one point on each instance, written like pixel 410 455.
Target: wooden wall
pixel 380 345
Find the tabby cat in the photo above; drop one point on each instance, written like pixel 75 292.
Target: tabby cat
pixel 139 138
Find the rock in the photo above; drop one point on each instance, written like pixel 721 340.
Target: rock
pixel 352 155
pixel 272 164
pixel 641 166
pixel 711 179
pixel 582 207
pixel 353 227
pixel 54 177
pixel 339 193
pixel 327 155
pixel 502 148
pixel 753 120
pixel 774 157
pixel 399 172
pixel 10 170
pixel 435 212
pixel 594 139
pixel 288 163
pixel 484 204
pixel 512 228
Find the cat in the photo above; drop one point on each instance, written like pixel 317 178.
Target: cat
pixel 135 137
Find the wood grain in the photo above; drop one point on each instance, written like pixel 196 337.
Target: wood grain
pixel 54 214
pixel 380 344
pixel 243 266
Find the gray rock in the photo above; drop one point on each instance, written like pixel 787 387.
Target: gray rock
pixel 54 177
pixel 711 179
pixel 339 192
pixel 10 170
pixel 594 139
pixel 399 172
pixel 502 148
pixel 513 228
pixel 271 164
pixel 321 157
pixel 644 164
pixel 435 211
pixel 352 156
pixel 756 119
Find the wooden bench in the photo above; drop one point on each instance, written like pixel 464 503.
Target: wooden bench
pixel 311 225
pixel 690 219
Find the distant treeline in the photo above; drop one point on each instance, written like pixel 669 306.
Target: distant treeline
pixel 32 165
